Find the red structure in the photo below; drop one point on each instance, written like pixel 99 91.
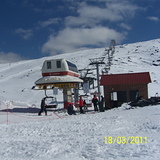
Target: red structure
pixel 120 88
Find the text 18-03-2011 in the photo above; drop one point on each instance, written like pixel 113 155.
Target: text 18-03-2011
pixel 125 140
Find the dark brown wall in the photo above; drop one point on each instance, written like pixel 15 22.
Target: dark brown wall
pixel 142 88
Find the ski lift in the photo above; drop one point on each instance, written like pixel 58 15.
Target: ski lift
pixel 51 102
pixel 88 100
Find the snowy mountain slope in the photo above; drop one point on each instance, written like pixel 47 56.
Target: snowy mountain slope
pixel 24 135
pixel 16 79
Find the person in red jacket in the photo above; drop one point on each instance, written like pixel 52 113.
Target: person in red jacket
pixel 81 104
pixel 95 102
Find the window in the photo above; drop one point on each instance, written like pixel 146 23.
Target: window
pixel 72 67
pixel 49 65
pixel 58 64
pixel 114 96
pixel 119 96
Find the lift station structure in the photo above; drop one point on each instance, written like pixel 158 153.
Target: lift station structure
pixel 62 74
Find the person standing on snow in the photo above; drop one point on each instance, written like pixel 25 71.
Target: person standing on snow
pixel 85 106
pixel 95 102
pixel 43 107
pixel 81 105
pixel 101 103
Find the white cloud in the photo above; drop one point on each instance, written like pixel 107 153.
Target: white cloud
pixel 93 15
pixel 50 21
pixel 152 18
pixel 125 26
pixel 123 8
pixel 9 57
pixel 24 33
pixel 71 39
pixel 88 27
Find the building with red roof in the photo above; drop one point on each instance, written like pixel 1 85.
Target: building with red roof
pixel 120 88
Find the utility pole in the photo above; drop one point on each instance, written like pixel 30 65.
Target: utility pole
pixel 98 85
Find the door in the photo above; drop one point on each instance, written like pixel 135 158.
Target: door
pixel 133 94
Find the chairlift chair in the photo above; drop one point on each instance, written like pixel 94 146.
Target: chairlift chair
pixel 88 100
pixel 51 102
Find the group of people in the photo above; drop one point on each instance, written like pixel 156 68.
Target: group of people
pixel 98 106
pixel 99 103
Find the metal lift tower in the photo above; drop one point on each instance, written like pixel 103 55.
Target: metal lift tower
pixel 97 62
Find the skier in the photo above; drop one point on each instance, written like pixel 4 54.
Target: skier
pixel 95 102
pixel 43 107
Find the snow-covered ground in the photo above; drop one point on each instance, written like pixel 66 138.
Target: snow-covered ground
pixel 81 137
pixel 24 135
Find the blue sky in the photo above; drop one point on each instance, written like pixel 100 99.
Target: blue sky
pixel 36 28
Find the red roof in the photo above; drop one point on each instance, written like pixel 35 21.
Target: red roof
pixel 128 78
